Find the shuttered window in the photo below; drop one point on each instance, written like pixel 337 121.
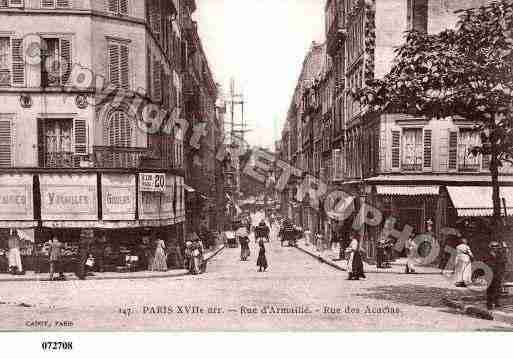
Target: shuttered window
pixel 5 143
pixel 486 162
pixel 118 6
pixel 18 64
pixel 396 149
pixel 80 136
pixel 14 3
pixel 428 140
pixel 157 81
pixel 119 131
pixel 52 4
pixel 5 61
pixel 11 3
pixel 57 68
pixel 119 65
pixel 453 150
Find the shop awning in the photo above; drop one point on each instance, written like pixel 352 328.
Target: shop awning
pixel 18 224
pixel 476 201
pixel 407 190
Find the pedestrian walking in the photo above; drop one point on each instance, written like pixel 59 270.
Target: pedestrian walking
pixel 243 235
pixel 496 261
pixel 55 253
pixel 411 252
pixel 159 261
pixel 355 263
pixel 463 271
pixel 100 246
pixel 262 259
pixel 14 256
pixel 84 249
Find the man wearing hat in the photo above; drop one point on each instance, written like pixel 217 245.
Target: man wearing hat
pixel 497 263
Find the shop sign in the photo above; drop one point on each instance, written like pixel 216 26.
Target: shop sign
pixel 158 206
pixel 69 197
pixel 118 197
pixel 152 182
pixel 16 203
pixel 167 210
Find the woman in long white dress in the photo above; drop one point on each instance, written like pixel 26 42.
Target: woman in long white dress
pixel 463 271
pixel 14 253
pixel 159 261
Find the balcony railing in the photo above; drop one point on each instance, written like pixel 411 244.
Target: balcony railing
pixel 60 160
pixel 469 167
pixel 118 157
pixel 411 167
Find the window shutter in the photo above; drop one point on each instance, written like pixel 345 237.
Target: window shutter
pixel 428 140
pixel 453 150
pixel 396 149
pixel 157 83
pixel 80 136
pixel 486 162
pixel 48 3
pixel 125 67
pixel 5 143
pixel 16 3
pixel 65 52
pixel 63 3
pixel 114 55
pixel 18 65
pixel 112 5
pixel 123 7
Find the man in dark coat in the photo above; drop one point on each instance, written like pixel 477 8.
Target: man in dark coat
pixel 55 252
pixel 84 249
pixel 497 262
pixel 262 231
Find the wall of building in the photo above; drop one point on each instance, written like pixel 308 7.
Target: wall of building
pixel 441 14
pixel 390 20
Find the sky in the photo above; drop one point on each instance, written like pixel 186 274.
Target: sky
pixel 261 44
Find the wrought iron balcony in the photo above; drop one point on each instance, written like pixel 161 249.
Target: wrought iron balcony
pixel 411 167
pixel 118 157
pixel 60 160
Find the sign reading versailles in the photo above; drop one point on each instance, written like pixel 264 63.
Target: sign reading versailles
pixel 16 202
pixel 118 197
pixel 69 197
pixel 152 182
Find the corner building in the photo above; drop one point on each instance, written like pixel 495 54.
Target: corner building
pixel 78 156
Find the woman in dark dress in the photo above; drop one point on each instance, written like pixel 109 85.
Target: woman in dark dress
pixel 355 262
pixel 262 260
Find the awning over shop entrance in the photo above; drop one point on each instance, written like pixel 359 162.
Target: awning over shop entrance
pixel 407 190
pixel 476 201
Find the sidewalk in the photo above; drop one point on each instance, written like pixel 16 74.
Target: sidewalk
pixel 32 276
pixel 461 300
pixel 476 306
pixel 331 258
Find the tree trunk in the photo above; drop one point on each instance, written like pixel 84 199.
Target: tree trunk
pixel 494 169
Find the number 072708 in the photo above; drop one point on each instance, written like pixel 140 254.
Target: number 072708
pixel 56 346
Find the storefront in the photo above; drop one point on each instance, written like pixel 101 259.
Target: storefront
pixel 119 207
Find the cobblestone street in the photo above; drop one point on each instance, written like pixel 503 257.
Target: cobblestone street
pixel 314 295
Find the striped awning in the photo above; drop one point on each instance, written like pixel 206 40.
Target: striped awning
pixel 18 224
pixel 407 190
pixel 476 201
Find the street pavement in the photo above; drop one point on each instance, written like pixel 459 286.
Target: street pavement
pixel 296 293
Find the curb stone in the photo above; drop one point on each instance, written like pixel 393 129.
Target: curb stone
pixel 177 273
pixel 474 310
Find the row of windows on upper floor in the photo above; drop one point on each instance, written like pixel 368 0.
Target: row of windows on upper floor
pixel 57 63
pixel 120 7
